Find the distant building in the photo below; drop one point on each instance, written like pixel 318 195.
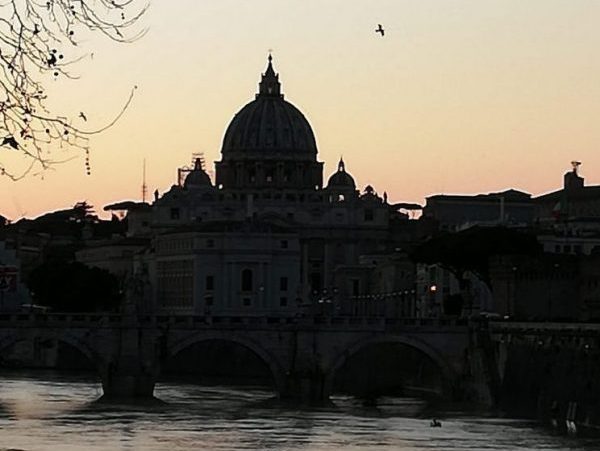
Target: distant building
pixel 568 219
pixel 114 255
pixel 268 236
pixel 436 287
pixel 12 291
pixel 571 237
pixel 380 284
pixel 228 267
pixel 457 212
pixel 546 287
pixel 57 236
pixel 574 201
pixel 589 288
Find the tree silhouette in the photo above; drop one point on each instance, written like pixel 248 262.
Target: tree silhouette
pixel 74 287
pixel 471 249
pixel 36 37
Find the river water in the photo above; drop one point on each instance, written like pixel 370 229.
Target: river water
pixel 46 411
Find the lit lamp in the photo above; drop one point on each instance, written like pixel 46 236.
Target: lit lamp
pixel 432 291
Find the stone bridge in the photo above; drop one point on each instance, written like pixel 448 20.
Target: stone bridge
pixel 303 354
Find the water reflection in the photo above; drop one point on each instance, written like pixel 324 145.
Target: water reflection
pixel 60 413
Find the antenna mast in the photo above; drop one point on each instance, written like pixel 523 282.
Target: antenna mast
pixel 144 186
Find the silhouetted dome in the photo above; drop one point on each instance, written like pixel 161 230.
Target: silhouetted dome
pixel 197 177
pixel 341 179
pixel 269 125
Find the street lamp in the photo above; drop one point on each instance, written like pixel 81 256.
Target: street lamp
pixel 432 292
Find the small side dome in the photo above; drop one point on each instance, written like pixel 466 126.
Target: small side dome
pixel 341 179
pixel 197 178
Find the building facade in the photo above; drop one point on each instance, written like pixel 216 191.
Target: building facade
pixel 268 236
pixel 457 212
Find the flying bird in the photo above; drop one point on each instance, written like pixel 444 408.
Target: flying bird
pixel 83 116
pixel 380 29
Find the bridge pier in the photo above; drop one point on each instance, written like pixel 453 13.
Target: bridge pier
pixel 132 371
pixel 306 387
pixel 126 380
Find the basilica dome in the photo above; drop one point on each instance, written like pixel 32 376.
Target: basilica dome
pixel 341 179
pixel 197 177
pixel 269 127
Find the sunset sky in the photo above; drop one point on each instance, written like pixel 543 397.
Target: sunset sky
pixel 460 96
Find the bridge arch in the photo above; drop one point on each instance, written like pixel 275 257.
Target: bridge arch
pixel 15 336
pixel 273 363
pixel 448 374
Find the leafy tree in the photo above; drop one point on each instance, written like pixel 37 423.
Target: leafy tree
pixel 38 39
pixel 74 287
pixel 470 249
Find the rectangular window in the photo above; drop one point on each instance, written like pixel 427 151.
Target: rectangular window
pixel 355 287
pixel 174 213
pixel 209 283
pixel 283 301
pixel 210 243
pixel 209 300
pixel 283 284
pixel 315 281
pixel 369 214
pixel 283 244
pixel 246 280
pixel 247 302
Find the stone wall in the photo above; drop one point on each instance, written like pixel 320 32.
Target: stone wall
pixel 552 376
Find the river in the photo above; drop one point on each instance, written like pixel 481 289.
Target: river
pixel 48 411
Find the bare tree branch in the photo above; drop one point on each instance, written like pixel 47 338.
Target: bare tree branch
pixel 34 38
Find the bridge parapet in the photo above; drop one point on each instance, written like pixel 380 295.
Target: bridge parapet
pixel 91 320
pixel 67 320
pixel 544 328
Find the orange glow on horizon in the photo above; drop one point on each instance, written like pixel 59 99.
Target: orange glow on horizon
pixel 457 97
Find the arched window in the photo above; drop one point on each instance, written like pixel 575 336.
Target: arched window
pixel 247 280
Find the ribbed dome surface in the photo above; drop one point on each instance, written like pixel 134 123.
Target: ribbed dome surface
pixel 269 124
pixel 197 177
pixel 341 180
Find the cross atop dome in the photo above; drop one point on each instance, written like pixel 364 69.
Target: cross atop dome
pixel 269 84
